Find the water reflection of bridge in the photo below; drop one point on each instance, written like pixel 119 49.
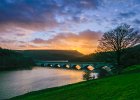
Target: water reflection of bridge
pixel 72 65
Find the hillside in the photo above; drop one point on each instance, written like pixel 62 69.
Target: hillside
pixel 52 54
pixel 131 56
pixel 119 87
pixel 10 59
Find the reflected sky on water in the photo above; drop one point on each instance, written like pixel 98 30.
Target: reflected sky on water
pixel 13 83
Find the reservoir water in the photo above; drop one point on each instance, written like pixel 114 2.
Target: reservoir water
pixel 14 83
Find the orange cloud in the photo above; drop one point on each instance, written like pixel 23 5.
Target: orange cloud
pixel 85 42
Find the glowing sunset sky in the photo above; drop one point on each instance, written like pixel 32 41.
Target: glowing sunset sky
pixel 62 24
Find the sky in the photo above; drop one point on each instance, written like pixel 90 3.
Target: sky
pixel 63 24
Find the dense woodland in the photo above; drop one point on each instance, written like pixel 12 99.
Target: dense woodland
pixel 10 59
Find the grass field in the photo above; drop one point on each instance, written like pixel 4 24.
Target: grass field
pixel 120 87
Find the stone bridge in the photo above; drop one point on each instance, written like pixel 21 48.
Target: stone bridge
pixel 72 65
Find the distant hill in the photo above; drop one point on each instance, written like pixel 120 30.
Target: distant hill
pixel 51 54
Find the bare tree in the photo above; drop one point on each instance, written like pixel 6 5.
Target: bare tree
pixel 118 39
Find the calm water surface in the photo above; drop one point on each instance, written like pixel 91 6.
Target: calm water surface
pixel 13 83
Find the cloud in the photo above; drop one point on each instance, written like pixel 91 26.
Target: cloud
pixel 28 14
pixel 22 46
pixel 85 42
pixel 136 21
pixel 7 41
pixel 26 11
pixel 39 41
pixel 40 13
pixel 26 46
pixel 20 34
pixel 23 17
pixel 127 14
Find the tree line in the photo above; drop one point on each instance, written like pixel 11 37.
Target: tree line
pixel 10 59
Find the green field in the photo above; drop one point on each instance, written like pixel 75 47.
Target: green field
pixel 120 87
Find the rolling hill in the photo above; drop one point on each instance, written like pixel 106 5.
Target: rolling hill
pixel 51 54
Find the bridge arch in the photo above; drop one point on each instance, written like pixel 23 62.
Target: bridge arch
pixel 77 66
pixel 90 67
pixel 67 66
pixel 57 65
pixel 49 65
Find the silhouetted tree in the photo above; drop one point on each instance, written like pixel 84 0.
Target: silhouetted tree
pixel 118 39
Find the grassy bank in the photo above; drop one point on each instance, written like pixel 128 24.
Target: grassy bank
pixel 121 87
